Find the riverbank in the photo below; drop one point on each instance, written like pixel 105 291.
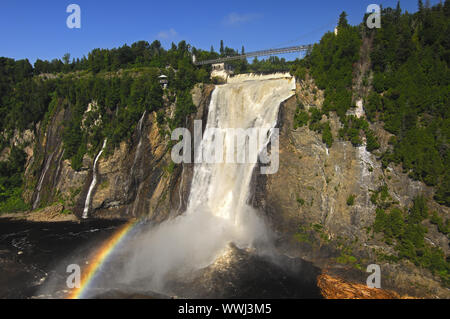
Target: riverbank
pixel 49 214
pixel 54 214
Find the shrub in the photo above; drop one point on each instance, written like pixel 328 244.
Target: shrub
pixel 327 136
pixel 351 200
pixel 301 118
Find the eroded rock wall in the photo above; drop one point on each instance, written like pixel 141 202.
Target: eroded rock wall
pixel 311 189
pixel 136 179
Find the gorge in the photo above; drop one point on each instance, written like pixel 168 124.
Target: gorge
pixel 357 137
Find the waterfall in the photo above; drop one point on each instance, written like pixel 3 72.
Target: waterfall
pixel 249 101
pixel 58 169
pixel 180 190
pixel 93 183
pixel 139 147
pixel 133 167
pixel 217 209
pixel 41 180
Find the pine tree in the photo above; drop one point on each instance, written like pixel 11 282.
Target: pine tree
pixel 343 23
pixel 398 11
pixel 222 50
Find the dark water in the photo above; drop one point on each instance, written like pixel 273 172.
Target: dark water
pixel 34 257
pixel 31 253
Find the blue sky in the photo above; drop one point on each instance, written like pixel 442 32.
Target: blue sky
pixel 37 29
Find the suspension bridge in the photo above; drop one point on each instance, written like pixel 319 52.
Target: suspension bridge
pixel 269 52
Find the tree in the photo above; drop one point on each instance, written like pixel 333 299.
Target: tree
pixel 420 5
pixel 447 8
pixel 343 23
pixel 222 49
pixel 66 58
pixel 327 136
pixel 398 11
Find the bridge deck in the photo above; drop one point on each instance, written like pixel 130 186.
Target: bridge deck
pixel 257 53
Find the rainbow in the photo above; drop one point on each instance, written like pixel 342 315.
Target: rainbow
pixel 100 258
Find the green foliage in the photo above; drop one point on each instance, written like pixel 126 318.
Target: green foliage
pixel 438 221
pixel 300 201
pixel 13 202
pixel 303 236
pixel 270 65
pixel 411 79
pixel 11 173
pixel 331 64
pixel 381 197
pixel 123 82
pixel 118 104
pixel 371 140
pixel 406 233
pixel 351 200
pixel 301 118
pixel 373 106
pixel 183 108
pixel 346 259
pixel 327 136
pixel 353 130
pixel 299 72
pixel 442 195
pixel 316 117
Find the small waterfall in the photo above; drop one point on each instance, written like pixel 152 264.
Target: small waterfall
pixel 133 179
pixel 41 180
pixel 58 169
pixel 180 193
pixel 93 183
pixel 139 146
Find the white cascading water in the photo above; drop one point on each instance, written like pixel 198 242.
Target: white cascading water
pixel 93 183
pixel 41 180
pixel 133 167
pixel 217 210
pixel 248 101
pixel 139 146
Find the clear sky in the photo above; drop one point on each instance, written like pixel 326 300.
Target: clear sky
pixel 37 29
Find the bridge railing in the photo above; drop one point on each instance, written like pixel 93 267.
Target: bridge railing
pixel 257 53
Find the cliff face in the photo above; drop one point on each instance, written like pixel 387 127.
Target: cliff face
pixel 136 179
pixel 306 202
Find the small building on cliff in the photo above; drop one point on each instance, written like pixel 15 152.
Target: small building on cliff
pixel 222 71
